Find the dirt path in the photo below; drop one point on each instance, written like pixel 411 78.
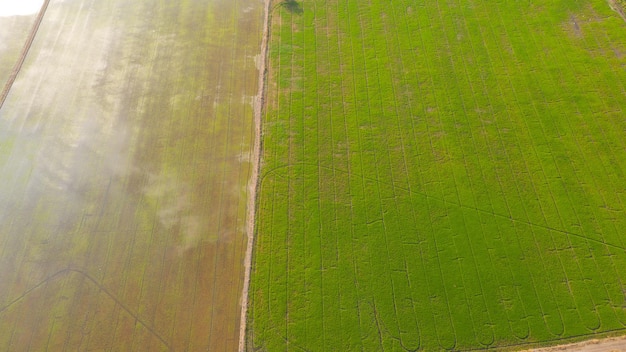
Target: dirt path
pixel 22 57
pixel 615 6
pixel 254 181
pixel 613 344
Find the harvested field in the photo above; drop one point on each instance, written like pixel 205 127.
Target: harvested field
pixel 441 175
pixel 615 344
pixel 125 146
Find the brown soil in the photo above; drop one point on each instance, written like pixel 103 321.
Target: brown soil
pixel 254 179
pixel 612 344
pixel 617 6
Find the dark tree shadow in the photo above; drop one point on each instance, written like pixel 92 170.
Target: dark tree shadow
pixel 292 6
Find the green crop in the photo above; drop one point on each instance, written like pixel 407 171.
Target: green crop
pixel 441 175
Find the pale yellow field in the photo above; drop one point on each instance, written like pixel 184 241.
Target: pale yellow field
pixel 124 154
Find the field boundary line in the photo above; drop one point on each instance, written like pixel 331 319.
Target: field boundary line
pixel 254 179
pixel 24 53
pixel 615 6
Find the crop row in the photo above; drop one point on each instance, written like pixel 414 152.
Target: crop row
pixel 441 175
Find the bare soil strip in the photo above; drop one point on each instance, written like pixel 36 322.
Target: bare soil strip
pixel 22 57
pixel 254 179
pixel 613 344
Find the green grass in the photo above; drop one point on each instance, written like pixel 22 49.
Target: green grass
pixel 125 148
pixel 441 175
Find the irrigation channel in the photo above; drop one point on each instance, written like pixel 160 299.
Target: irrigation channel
pixel 126 148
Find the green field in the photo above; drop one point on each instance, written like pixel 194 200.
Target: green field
pixel 441 175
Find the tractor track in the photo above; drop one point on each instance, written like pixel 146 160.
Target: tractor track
pixel 254 179
pixel 24 53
